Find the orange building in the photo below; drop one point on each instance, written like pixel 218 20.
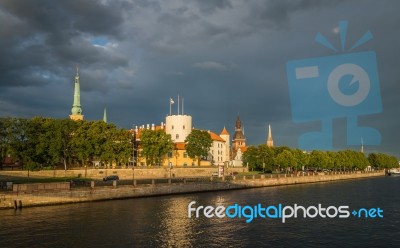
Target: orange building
pixel 178 127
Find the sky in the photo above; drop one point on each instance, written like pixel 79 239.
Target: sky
pixel 224 57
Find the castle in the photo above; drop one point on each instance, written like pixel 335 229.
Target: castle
pixel 179 126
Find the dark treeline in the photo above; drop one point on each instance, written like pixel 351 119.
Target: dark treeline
pixel 44 142
pixel 265 158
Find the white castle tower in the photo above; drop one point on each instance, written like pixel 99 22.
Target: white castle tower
pixel 178 126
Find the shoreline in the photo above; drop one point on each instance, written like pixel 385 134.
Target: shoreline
pixel 45 197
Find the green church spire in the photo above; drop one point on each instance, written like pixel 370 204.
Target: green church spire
pixel 76 111
pixel 105 115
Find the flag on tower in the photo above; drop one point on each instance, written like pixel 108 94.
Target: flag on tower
pixel 171 101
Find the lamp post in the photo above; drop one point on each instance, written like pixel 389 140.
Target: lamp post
pixel 133 145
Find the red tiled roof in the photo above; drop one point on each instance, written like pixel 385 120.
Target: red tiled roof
pixel 215 137
pixel 224 132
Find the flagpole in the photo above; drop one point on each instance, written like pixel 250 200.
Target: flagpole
pixel 170 107
pixel 182 104
pixel 178 104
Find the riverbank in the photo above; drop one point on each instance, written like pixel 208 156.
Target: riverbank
pixel 44 196
pixel 125 173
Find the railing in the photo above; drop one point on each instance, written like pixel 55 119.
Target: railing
pixel 80 183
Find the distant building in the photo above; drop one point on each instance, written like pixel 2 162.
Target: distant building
pixel 179 127
pixel 76 111
pixel 238 144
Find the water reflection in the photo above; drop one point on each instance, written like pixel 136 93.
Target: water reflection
pixel 176 227
pixel 163 221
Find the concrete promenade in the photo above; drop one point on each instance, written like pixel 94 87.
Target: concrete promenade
pixel 61 193
pixel 126 173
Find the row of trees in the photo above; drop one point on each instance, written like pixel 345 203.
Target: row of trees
pixel 46 142
pixel 263 157
pixel 156 144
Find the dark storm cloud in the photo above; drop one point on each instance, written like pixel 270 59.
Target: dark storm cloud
pixel 224 57
pixel 209 6
pixel 275 13
pixel 44 35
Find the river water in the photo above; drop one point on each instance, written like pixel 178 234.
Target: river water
pixel 164 222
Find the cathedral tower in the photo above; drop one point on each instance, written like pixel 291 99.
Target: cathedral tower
pixel 239 141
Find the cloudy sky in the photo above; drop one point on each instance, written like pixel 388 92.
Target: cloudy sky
pixel 223 56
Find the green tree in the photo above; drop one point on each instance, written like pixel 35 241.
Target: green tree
pixel 285 159
pixel 119 145
pixel 59 138
pixel 82 143
pixel 250 157
pixel 381 160
pixel 301 159
pixel 319 159
pixel 5 137
pixel 266 157
pixel 155 145
pixel 198 144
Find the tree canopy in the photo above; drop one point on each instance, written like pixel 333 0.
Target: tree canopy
pixel 278 158
pixel 198 144
pixel 45 142
pixel 155 144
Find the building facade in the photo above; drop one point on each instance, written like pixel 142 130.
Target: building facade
pixel 179 127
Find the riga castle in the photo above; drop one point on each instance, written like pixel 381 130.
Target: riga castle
pixel 179 126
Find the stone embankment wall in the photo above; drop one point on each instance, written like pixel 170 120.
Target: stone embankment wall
pixel 137 173
pixel 55 196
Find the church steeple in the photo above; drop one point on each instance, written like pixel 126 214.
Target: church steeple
pixel 270 141
pixel 238 124
pixel 76 111
pixel 362 145
pixel 105 115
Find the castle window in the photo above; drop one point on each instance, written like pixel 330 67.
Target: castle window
pixel 172 127
pixel 185 155
pixel 170 154
pixel 177 136
pixel 183 127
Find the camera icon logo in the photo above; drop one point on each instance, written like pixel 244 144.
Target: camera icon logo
pixel 359 75
pixel 343 85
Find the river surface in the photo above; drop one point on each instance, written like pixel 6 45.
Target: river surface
pixel 164 222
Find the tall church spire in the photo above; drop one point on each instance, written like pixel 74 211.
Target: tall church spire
pixel 362 145
pixel 105 115
pixel 76 111
pixel 270 141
